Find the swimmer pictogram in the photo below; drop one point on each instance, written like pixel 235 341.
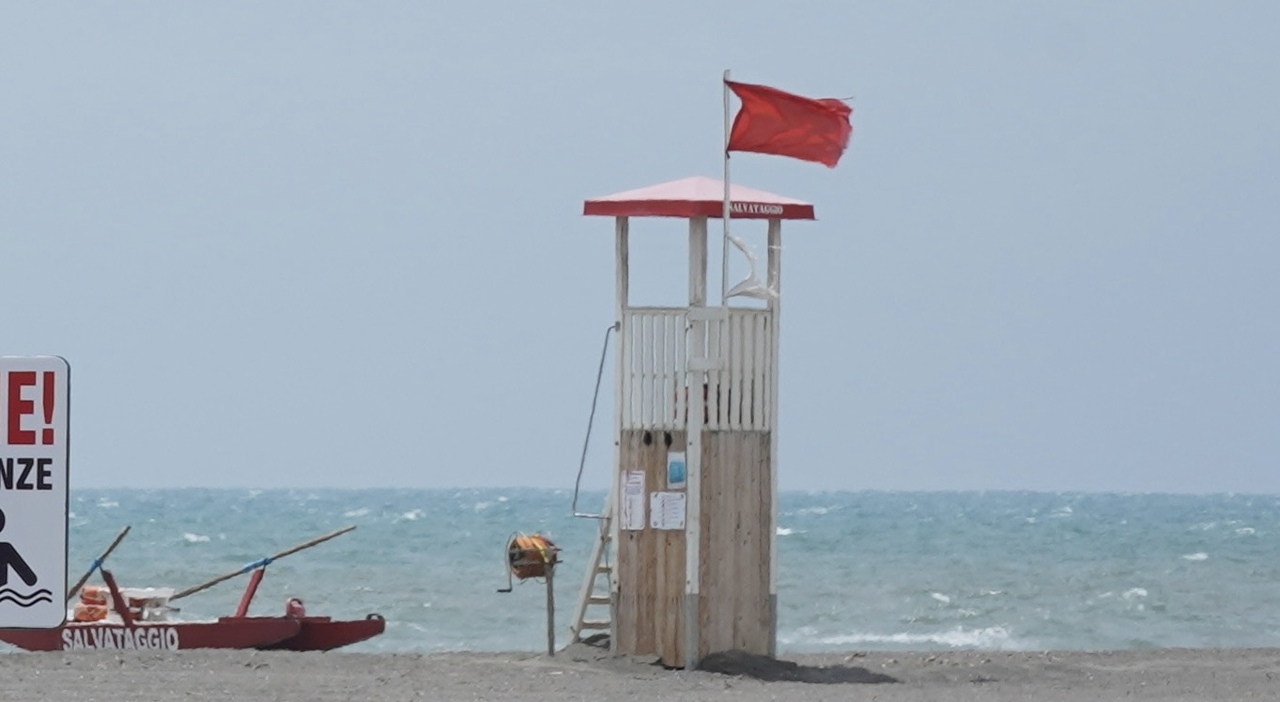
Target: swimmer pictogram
pixel 11 560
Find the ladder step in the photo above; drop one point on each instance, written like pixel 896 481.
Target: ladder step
pixel 598 600
pixel 594 624
pixel 604 569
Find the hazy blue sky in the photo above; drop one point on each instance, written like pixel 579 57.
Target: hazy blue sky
pixel 341 244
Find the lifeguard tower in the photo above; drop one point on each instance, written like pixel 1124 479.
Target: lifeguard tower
pixel 687 538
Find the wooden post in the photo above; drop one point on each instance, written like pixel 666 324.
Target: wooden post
pixel 774 281
pixel 694 408
pixel 622 247
pixel 551 608
pixel 697 261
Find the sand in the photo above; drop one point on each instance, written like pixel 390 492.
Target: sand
pixel 580 673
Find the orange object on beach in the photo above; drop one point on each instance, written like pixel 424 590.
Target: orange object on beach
pixel 88 612
pixel 529 556
pixel 93 595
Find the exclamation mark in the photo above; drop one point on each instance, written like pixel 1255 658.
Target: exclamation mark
pixel 46 436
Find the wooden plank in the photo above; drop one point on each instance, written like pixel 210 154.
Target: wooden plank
pixel 646 370
pixel 736 359
pixel 669 617
pixel 706 579
pixel 759 371
pixel 748 604
pixel 646 642
pixel 626 350
pixel 626 567
pixel 734 602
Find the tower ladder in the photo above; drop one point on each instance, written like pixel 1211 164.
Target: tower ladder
pixel 591 600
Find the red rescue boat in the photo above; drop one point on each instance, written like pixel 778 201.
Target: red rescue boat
pixel 122 631
pixel 139 619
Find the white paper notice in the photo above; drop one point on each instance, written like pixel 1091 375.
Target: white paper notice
pixel 633 501
pixel 666 510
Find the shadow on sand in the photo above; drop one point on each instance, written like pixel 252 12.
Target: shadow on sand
pixel 752 665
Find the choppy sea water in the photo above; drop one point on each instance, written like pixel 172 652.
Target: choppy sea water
pixel 857 570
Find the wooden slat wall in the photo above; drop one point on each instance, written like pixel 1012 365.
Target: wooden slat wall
pixel 654 364
pixel 734 608
pixel 653 368
pixel 650 562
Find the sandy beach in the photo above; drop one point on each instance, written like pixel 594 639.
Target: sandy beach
pixel 580 673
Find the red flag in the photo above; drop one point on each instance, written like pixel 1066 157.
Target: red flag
pixel 774 122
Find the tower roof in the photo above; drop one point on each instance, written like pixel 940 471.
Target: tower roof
pixel 698 196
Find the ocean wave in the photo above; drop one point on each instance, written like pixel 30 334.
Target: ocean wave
pixel 1198 556
pixel 194 538
pixel 993 637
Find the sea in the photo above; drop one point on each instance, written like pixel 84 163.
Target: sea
pixel 857 571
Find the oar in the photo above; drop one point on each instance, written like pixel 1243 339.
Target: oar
pixel 260 563
pixel 97 563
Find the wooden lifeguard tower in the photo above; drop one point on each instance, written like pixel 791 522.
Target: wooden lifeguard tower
pixel 688 534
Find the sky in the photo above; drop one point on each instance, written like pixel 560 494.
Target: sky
pixel 321 244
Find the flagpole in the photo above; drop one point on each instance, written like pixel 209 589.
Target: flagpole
pixel 724 213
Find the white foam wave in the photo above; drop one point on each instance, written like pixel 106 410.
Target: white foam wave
pixel 813 510
pixel 356 512
pixel 994 637
pixel 482 506
pixel 1134 592
pixel 1245 531
pixel 787 531
pixel 194 538
pixel 1198 556
pixel 412 515
pixel 107 504
pixel 941 597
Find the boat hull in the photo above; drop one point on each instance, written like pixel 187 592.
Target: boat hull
pixel 325 634
pixel 227 632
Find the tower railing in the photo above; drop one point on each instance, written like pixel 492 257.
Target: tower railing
pixel 658 367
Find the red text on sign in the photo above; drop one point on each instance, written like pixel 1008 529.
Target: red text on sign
pixel 20 407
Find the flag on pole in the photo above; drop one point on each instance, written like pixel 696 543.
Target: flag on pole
pixel 771 121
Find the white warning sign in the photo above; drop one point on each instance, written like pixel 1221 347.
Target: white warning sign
pixel 34 393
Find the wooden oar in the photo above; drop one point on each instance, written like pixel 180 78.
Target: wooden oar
pixel 97 563
pixel 263 562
